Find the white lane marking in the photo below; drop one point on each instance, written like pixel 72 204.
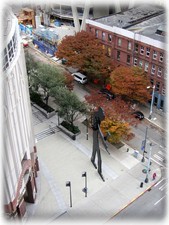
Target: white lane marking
pixel 158 157
pixel 161 153
pixel 159 200
pixel 158 182
pixel 157 162
pixel 163 187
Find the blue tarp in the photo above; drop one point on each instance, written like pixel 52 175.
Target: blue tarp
pixel 45 47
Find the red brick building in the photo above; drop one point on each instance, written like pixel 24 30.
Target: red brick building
pixel 136 37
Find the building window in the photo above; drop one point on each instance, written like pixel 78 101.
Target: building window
pixel 118 55
pixel 157 86
pixel 151 81
pixel 103 47
pixel 135 61
pixel 103 36
pixel 136 47
pixel 161 57
pixel 153 69
pixel 146 66
pixel 119 41
pixel 154 54
pixel 9 52
pixel 129 45
pixel 128 59
pixel 163 91
pixel 159 72
pixel 109 51
pixel 96 33
pixel 141 63
pixel 110 37
pixel 142 50
pixel 148 52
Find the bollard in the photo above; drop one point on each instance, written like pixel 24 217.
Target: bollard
pixel 127 149
pixel 141 184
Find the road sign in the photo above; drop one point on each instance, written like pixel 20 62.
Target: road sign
pixel 143 145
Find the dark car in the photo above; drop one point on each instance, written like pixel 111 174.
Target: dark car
pixel 109 95
pixel 139 115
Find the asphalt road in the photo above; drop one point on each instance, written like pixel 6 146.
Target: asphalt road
pixel 155 136
pixel 151 205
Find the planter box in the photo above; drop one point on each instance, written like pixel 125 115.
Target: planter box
pixel 47 114
pixel 68 133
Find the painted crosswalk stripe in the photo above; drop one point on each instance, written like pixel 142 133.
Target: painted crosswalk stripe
pixel 159 200
pixel 161 153
pixel 163 187
pixel 159 182
pixel 158 157
pixel 157 162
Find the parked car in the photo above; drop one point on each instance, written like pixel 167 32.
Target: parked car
pixel 79 77
pixel 109 95
pixel 55 59
pixel 139 115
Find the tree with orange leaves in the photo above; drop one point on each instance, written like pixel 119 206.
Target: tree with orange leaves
pixel 130 83
pixel 117 130
pixel 118 116
pixel 85 52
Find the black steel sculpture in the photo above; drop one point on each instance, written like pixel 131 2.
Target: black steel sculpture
pixel 97 118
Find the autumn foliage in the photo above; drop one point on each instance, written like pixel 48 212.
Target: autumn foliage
pixel 131 83
pixel 85 52
pixel 118 116
pixel 117 130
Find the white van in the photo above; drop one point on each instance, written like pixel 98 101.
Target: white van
pixel 80 77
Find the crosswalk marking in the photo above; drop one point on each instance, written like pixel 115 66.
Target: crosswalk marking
pixel 158 157
pixel 163 187
pixel 157 162
pixel 161 153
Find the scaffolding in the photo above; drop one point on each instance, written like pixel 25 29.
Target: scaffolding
pixel 47 34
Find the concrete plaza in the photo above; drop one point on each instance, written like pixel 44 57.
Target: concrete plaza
pixel 62 159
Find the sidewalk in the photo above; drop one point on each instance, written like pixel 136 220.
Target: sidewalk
pixel 64 160
pixel 159 117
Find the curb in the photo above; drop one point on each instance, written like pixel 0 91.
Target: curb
pixel 154 124
pixel 147 189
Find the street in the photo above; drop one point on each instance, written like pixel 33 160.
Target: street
pixel 151 205
pixel 154 136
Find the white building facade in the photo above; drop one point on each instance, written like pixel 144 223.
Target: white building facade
pixel 19 158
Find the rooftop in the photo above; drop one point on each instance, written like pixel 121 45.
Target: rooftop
pixel 148 20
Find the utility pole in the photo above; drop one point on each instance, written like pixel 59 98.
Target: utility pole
pixel 68 184
pixel 84 174
pixel 149 163
pixel 144 145
pixel 152 100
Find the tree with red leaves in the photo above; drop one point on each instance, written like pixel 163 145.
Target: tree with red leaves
pixel 85 52
pixel 118 115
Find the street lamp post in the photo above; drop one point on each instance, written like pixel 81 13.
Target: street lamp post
pixel 68 184
pixel 84 174
pixel 152 100
pixel 87 129
pixel 144 145
pixel 149 163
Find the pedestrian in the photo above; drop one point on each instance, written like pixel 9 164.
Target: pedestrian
pixel 154 176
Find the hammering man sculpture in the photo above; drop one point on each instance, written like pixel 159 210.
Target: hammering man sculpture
pixel 97 118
